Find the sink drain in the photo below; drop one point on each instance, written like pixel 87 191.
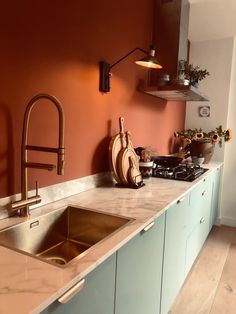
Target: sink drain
pixel 57 260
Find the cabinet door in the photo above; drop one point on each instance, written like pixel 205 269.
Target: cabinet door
pixel 174 253
pixel 204 220
pixel 97 295
pixel 215 196
pixel 139 269
pixel 200 205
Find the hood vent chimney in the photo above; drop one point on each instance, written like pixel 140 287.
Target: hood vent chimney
pixel 170 37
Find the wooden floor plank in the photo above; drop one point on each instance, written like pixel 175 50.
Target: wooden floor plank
pixel 225 297
pixel 199 290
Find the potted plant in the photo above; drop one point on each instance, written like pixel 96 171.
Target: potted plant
pixel 201 144
pixel 192 73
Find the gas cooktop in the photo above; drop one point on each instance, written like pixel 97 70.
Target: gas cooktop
pixel 184 172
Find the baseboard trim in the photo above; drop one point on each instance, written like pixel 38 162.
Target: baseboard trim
pixel 227 221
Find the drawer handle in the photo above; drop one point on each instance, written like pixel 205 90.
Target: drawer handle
pixel 202 220
pixel 149 226
pixel 66 297
pixel 203 193
pixel 181 200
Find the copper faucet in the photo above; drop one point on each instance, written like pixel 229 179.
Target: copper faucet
pixel 25 202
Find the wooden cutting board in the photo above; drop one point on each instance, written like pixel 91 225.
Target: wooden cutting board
pixel 124 160
pixel 115 146
pixel 134 174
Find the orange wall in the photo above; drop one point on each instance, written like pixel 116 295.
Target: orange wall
pixel 55 47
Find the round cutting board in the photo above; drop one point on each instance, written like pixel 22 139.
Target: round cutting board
pixel 115 146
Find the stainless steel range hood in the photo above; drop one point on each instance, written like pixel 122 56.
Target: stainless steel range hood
pixel 170 37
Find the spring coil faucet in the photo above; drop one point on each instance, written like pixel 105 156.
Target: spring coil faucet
pixel 23 204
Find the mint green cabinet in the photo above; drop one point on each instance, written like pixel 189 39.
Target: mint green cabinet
pixel 174 253
pixel 201 208
pixel 97 295
pixel 146 274
pixel 215 195
pixel 139 269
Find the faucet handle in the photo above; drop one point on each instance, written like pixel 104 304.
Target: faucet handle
pixel 37 197
pixel 23 203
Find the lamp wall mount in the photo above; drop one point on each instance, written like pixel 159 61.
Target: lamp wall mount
pixel 104 83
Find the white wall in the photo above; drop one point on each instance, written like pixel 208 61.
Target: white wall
pixel 219 57
pixel 212 19
pixel 228 212
pixel 216 57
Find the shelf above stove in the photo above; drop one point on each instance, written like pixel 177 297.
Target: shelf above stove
pixel 175 92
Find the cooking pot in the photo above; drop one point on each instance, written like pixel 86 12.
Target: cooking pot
pixel 167 161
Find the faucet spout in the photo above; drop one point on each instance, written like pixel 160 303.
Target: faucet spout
pixel 24 203
pixel 60 161
pixel 61 149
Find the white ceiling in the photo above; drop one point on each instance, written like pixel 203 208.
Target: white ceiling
pixel 212 19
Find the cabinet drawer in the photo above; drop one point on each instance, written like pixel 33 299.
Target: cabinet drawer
pixel 195 241
pixel 200 203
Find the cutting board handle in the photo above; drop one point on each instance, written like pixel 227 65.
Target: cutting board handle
pixel 128 135
pixel 121 124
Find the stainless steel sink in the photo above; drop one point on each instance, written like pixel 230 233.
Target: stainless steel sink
pixel 60 236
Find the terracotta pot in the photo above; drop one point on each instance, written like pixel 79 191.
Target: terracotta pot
pixel 202 149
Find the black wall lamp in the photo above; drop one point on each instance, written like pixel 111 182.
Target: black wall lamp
pixel 148 61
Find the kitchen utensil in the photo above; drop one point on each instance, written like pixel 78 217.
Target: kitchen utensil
pixel 115 147
pixel 134 174
pixel 123 159
pixel 146 168
pixel 167 161
pixel 138 150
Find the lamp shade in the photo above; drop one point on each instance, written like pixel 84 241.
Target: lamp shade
pixel 149 61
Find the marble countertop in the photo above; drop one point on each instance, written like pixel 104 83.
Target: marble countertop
pixel 28 285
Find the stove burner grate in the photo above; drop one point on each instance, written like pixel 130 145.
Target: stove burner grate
pixel 184 172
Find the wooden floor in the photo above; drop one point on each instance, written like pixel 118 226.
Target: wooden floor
pixel 211 285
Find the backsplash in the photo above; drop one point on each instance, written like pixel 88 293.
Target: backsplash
pixel 68 67
pixel 59 191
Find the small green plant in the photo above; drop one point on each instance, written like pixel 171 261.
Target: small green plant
pixel 192 73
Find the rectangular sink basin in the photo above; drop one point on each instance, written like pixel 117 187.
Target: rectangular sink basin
pixel 60 236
